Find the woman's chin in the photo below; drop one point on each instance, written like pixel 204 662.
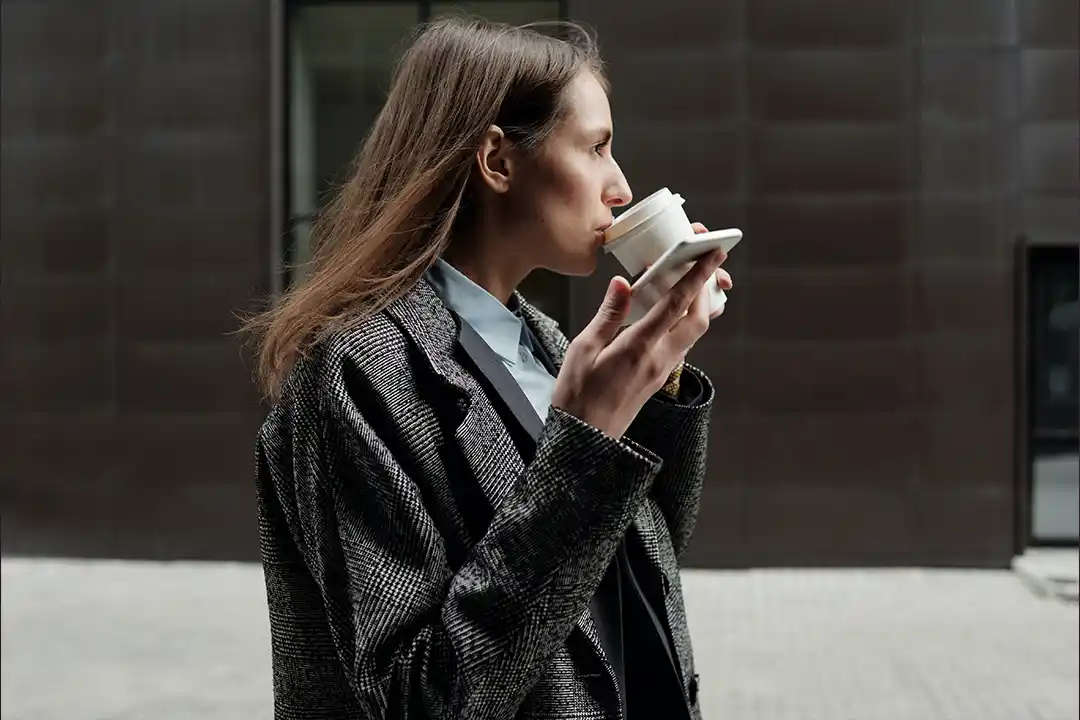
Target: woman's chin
pixel 584 266
pixel 576 264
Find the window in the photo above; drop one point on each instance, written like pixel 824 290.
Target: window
pixel 1055 333
pixel 1053 392
pixel 340 59
pixel 341 56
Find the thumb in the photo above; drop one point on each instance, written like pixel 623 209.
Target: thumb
pixel 609 318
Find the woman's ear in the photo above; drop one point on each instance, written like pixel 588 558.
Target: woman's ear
pixel 494 161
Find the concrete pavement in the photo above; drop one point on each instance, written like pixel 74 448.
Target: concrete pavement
pixel 127 641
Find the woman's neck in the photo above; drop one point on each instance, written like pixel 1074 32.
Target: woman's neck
pixel 489 262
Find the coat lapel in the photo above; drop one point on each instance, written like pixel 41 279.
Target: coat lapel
pixel 487 448
pixel 551 340
pixel 490 366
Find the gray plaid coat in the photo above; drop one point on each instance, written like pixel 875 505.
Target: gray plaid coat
pixel 385 599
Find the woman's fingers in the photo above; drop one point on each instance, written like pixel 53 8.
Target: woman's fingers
pixel 670 309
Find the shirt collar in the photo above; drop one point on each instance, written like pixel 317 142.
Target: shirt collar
pixel 499 326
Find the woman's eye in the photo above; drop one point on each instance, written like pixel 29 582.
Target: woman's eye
pixel 599 148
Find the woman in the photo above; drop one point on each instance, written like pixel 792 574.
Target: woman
pixel 463 515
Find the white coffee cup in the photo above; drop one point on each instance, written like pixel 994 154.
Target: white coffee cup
pixel 640 235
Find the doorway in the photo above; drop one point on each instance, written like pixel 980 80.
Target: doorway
pixel 1050 393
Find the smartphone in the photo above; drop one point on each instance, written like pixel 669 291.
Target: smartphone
pixel 685 252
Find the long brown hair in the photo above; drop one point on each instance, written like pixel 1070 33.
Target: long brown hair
pixel 408 188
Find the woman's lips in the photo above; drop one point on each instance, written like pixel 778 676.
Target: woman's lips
pixel 602 232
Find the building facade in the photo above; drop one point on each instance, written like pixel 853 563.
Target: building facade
pixel 897 368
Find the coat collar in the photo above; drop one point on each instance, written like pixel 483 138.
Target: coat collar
pixel 500 325
pixel 550 336
pixel 436 331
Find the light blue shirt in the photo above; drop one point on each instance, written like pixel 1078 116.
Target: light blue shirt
pixel 502 329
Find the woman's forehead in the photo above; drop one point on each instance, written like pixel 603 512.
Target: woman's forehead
pixel 587 105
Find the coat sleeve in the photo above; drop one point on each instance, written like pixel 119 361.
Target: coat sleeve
pixel 416 639
pixel 678 434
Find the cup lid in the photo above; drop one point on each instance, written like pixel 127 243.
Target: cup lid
pixel 638 213
pixel 613 241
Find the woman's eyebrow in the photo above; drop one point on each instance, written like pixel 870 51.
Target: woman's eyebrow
pixel 603 134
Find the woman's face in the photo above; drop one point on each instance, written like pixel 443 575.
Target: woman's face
pixel 564 191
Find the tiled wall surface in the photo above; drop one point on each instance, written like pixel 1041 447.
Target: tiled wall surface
pixel 134 219
pixel 881 158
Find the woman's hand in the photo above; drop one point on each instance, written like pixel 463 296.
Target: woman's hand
pixel 723 278
pixel 608 375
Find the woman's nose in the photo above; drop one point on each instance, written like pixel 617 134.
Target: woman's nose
pixel 619 193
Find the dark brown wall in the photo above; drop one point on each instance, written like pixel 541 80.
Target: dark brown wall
pixel 881 158
pixel 134 195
